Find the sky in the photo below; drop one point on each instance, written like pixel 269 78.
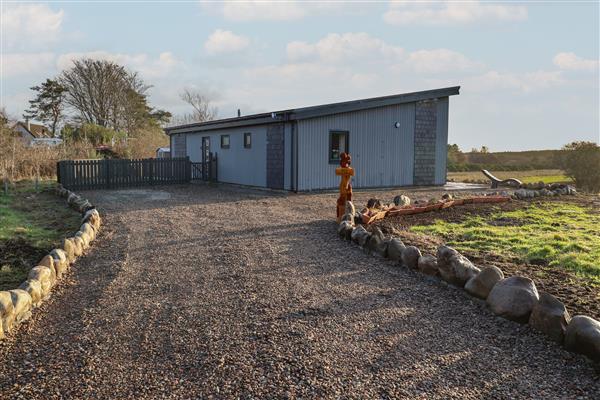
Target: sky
pixel 528 71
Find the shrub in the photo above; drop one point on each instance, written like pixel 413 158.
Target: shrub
pixel 581 161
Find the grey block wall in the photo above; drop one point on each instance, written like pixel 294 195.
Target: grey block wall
pixel 425 141
pixel 275 156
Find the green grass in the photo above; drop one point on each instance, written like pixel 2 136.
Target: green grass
pixel 533 176
pixel 558 234
pixel 32 224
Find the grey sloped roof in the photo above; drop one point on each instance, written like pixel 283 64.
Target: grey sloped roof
pixel 314 111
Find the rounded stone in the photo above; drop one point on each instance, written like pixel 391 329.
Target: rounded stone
pixel 550 316
pixel 481 284
pixel 513 298
pixel 583 336
pixel 410 257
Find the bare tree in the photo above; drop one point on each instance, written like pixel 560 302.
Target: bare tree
pixel 203 110
pixel 105 93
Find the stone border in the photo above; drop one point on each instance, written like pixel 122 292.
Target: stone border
pixel 515 298
pixel 16 305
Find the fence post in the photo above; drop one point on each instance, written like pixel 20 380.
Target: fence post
pixel 58 172
pixel 107 172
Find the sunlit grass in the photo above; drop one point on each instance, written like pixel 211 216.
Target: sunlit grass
pixel 533 176
pixel 558 234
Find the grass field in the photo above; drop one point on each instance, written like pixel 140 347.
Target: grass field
pixel 33 223
pixel 533 176
pixel 557 234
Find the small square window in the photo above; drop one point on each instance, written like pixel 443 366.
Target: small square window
pixel 224 141
pixel 338 144
pixel 247 140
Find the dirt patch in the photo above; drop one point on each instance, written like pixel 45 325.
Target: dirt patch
pixel 579 295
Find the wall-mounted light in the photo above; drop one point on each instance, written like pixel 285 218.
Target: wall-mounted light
pixel 397 125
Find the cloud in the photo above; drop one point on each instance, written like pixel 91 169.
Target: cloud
pixel 27 23
pixel 20 64
pixel 143 63
pixel 452 13
pixel 221 41
pixel 493 80
pixel 340 48
pixel 362 50
pixel 570 61
pixel 263 10
pixel 440 60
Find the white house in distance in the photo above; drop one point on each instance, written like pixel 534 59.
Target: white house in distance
pixel 35 134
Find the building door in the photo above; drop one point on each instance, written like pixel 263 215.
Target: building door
pixel 205 157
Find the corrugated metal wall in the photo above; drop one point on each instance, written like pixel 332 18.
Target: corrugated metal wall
pixel 237 164
pixel 441 143
pixel 382 155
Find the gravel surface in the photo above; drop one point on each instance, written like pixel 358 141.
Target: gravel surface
pixel 202 292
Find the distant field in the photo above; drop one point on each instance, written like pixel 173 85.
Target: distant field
pixel 536 175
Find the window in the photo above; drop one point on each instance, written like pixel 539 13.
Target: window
pixel 338 144
pixel 224 141
pixel 247 140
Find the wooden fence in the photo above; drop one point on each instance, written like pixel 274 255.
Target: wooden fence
pixel 111 174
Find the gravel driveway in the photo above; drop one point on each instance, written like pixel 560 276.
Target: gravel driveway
pixel 202 292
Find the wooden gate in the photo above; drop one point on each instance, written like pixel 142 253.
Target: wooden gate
pixel 111 174
pixel 205 170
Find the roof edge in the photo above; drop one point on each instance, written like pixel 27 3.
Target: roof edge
pixel 314 111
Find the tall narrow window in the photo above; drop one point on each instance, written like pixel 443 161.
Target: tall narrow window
pixel 224 141
pixel 247 140
pixel 338 144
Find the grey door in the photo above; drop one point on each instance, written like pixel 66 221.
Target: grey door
pixel 205 157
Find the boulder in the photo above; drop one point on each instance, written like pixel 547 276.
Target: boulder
pixel 453 267
pixel 84 238
pixel 481 284
pixel 513 298
pixel 410 257
pixel 72 198
pixel 345 229
pixel 69 249
pixel 583 336
pixel 89 230
pixel 395 247
pixel 78 245
pixel 44 276
pixel 360 235
pixel 348 217
pixel 377 243
pixel 447 197
pixel 401 200
pixel 7 313
pixel 374 203
pixel 61 263
pixel 550 316
pixel 427 264
pixel 34 288
pixel 93 217
pixel 22 304
pixel 350 209
pixel 47 261
pixel 571 190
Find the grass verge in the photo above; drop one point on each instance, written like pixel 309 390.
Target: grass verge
pixel 533 176
pixel 558 234
pixel 32 224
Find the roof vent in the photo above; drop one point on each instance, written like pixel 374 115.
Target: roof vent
pixel 239 113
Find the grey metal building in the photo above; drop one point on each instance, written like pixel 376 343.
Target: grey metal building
pixel 398 140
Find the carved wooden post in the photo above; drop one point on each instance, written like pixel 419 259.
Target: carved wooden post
pixel 346 172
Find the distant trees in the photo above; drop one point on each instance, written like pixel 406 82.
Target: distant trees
pixel 581 161
pixel 202 108
pixel 107 94
pixel 48 104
